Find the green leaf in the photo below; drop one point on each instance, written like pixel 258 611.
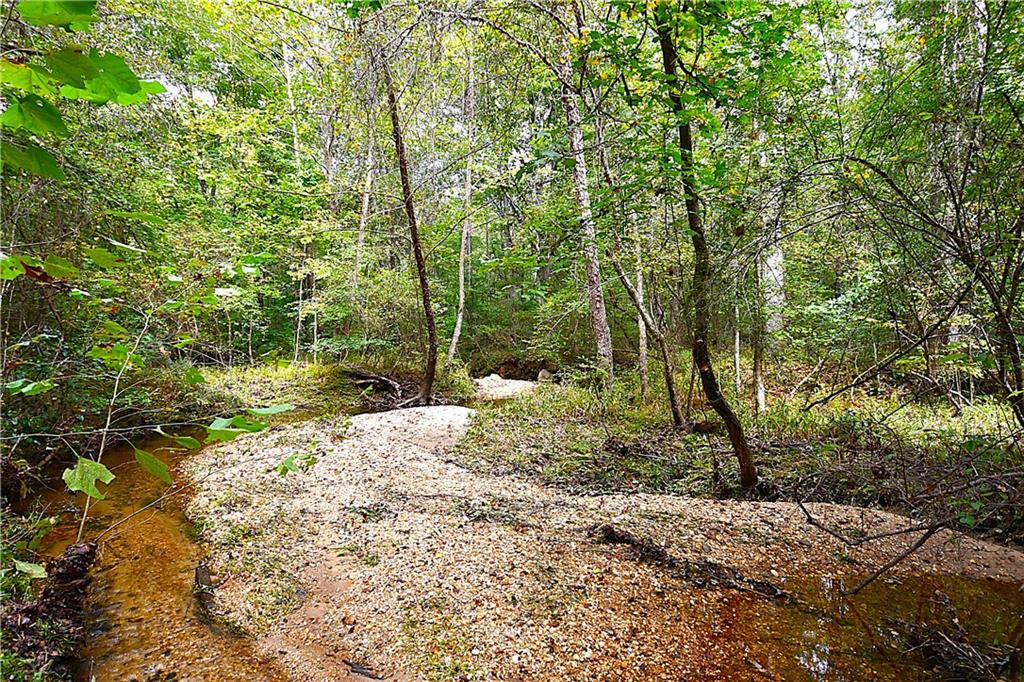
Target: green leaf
pixel 113 330
pixel 11 266
pixel 286 465
pixel 58 267
pixel 225 429
pixel 37 387
pixel 16 385
pixel 221 430
pixel 273 409
pixel 82 478
pixel 34 571
pixel 187 442
pixel 104 258
pixel 34 114
pixel 193 376
pixel 153 465
pixel 252 426
pixel 116 74
pixel 71 66
pixel 184 441
pixel 31 158
pixel 27 77
pixel 27 387
pixel 57 12
pixel 114 356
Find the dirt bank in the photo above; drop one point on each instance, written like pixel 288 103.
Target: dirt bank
pixel 380 552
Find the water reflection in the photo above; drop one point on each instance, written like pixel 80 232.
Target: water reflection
pixel 826 636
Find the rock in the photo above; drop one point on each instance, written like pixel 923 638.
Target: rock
pixel 545 377
pixel 493 387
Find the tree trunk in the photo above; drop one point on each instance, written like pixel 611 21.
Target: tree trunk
pixel 659 338
pixel 598 314
pixel 736 369
pixel 702 272
pixel 364 207
pixel 467 222
pixel 430 369
pixel 298 322
pixel 641 324
pixel 758 342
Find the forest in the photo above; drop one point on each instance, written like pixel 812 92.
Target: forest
pixel 512 340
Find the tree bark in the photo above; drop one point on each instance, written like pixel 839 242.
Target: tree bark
pixel 467 222
pixel 430 369
pixel 701 270
pixel 598 313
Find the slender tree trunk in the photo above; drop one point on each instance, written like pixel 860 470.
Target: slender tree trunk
pixel 598 314
pixel 757 342
pixel 659 338
pixel 298 322
pixel 641 324
pixel 307 248
pixel 364 207
pixel 702 273
pixel 430 369
pixel 467 222
pixel 736 370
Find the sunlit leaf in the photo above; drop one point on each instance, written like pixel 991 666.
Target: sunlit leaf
pixel 104 258
pixel 84 475
pixel 136 215
pixel 37 387
pixel 34 114
pixel 115 355
pixel 27 77
pixel 273 409
pixel 11 266
pixel 73 13
pixel 114 330
pixel 31 158
pixel 34 571
pixel 58 267
pixel 16 385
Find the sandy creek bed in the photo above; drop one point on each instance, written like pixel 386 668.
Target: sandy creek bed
pixel 385 555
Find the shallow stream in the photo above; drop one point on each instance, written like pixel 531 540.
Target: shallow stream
pixel 144 621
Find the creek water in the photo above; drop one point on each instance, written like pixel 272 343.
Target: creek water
pixel 828 636
pixel 144 622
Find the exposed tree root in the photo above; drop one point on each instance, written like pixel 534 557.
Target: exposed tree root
pixel 59 607
pixel 701 573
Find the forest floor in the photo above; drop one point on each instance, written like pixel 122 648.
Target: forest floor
pixel 376 552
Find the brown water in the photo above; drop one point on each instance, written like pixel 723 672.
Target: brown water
pixel 825 635
pixel 144 622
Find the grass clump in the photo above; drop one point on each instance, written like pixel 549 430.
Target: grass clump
pixel 437 643
pixel 895 451
pixel 582 438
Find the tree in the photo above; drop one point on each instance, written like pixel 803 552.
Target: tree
pixel 430 364
pixel 701 291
